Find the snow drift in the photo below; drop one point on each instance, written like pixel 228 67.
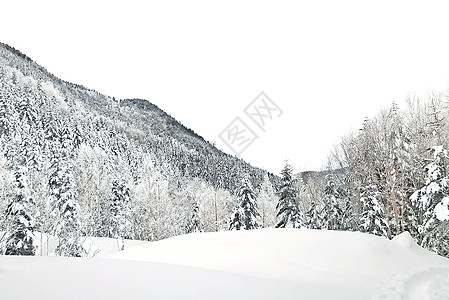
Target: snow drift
pixel 257 264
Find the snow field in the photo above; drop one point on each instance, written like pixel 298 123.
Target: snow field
pixel 255 264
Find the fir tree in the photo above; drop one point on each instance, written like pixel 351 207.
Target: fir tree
pixel 331 208
pixel 119 213
pixel 248 205
pixel 288 212
pixel 5 119
pixel 62 199
pixel 411 219
pixel 236 220
pixel 20 222
pixel 27 110
pixel 433 231
pixel 373 215
pixel 313 216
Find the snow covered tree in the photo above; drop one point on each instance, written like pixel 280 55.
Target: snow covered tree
pixel 288 212
pixel 313 216
pixel 433 227
pixel 20 222
pixel 27 110
pixel 236 220
pixel 332 210
pixel 66 208
pixel 245 214
pixel 373 215
pixel 5 115
pixel 347 222
pixel 267 203
pixel 119 213
pixel 404 146
pixel 195 224
pixel 248 205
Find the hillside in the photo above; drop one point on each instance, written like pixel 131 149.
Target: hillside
pixel 103 147
pixel 145 122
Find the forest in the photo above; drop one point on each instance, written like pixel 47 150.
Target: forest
pixel 75 163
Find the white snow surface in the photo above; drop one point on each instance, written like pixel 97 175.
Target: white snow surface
pixel 442 209
pixel 257 264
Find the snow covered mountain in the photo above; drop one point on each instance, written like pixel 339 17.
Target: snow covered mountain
pixel 254 264
pixel 107 147
pixel 126 123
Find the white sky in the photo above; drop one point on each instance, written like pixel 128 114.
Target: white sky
pixel 326 64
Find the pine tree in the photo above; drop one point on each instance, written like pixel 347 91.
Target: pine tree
pixel 195 225
pixel 288 212
pixel 20 222
pixel 313 216
pixel 27 110
pixel 119 213
pixel 332 208
pixel 411 219
pixel 373 215
pixel 236 220
pixel 248 205
pixel 433 230
pixel 4 114
pixel 66 208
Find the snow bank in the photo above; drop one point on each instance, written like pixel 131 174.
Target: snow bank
pixel 322 264
pixel 258 264
pixel 405 240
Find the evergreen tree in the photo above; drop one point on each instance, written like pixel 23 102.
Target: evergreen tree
pixel 236 220
pixel 331 208
pixel 20 222
pixel 66 208
pixel 411 219
pixel 119 213
pixel 288 212
pixel 373 215
pixel 433 231
pixel 5 116
pixel 27 110
pixel 195 225
pixel 248 205
pixel 313 217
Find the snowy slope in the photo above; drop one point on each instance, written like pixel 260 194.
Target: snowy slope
pixel 45 278
pixel 259 264
pixel 320 264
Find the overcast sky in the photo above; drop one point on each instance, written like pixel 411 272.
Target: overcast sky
pixel 326 64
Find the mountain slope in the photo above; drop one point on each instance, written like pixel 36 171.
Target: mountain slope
pixel 104 143
pixel 140 115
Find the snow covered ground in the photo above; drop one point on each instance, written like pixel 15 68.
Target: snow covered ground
pixel 258 264
pixel 94 246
